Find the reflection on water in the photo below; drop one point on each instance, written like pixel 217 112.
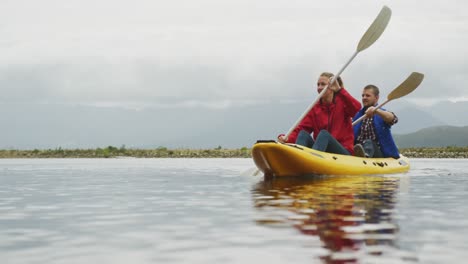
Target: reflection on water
pixel 351 215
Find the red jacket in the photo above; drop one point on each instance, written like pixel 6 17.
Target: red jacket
pixel 334 117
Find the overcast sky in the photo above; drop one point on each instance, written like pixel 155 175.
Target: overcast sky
pixel 221 53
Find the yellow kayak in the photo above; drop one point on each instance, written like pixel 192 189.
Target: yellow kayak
pixel 277 159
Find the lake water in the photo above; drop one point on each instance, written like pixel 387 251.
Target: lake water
pixel 208 211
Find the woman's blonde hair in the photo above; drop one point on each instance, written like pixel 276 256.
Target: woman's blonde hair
pixel 330 75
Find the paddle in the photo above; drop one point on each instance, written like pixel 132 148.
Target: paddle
pixel 406 87
pixel 372 34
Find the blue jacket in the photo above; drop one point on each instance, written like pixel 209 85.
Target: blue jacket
pixel 383 133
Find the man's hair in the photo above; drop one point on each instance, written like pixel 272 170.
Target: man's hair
pixel 374 89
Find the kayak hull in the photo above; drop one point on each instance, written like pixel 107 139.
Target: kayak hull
pixel 277 159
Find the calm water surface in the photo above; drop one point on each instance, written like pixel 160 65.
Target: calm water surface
pixel 209 211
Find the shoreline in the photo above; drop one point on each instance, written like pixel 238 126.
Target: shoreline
pixel 162 152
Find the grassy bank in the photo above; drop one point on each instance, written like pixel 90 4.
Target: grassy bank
pixel 432 152
pixel 162 152
pixel 112 152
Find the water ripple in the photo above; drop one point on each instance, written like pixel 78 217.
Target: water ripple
pixel 205 211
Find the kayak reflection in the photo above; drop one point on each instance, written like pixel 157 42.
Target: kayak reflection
pixel 352 215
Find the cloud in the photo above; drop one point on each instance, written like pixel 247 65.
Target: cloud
pixel 205 52
pixel 152 72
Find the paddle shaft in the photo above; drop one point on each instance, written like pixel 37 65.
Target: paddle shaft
pixel 406 87
pixel 370 36
pixel 321 94
pixel 364 116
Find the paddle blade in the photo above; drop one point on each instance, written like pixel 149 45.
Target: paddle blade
pixel 251 172
pixel 407 86
pixel 376 29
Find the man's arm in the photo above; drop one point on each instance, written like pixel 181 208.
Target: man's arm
pixel 389 117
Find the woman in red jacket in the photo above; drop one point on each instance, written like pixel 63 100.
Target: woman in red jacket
pixel 329 120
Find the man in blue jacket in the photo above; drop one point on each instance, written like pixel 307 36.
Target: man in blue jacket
pixel 372 136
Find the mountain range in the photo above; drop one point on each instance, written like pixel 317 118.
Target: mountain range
pixel 438 136
pixel 29 126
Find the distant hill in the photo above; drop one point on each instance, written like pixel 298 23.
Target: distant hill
pixel 42 126
pixel 450 112
pixel 411 119
pixel 438 136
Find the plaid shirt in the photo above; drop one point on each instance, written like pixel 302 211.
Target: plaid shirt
pixel 368 130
